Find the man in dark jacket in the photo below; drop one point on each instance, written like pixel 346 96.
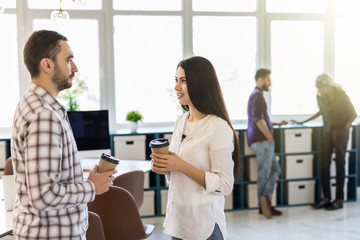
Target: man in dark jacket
pixel 338 113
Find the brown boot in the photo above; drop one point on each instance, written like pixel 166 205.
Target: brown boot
pixel 274 211
pixel 266 206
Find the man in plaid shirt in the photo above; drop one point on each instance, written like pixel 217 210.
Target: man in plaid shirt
pixel 52 196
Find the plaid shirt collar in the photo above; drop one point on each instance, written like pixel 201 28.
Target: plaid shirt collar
pixel 46 97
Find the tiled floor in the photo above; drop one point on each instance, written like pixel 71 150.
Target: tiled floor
pixel 301 223
pixel 296 223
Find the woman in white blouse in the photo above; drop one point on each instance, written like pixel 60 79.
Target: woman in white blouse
pixel 204 156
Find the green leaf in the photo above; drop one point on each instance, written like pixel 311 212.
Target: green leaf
pixel 134 116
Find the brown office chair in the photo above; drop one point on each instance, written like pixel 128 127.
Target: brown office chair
pixel 8 169
pixel 119 215
pixel 133 182
pixel 95 230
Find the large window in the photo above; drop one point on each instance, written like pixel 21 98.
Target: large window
pixel 224 5
pixel 296 60
pixel 147 50
pixel 347 6
pixel 347 52
pixel 8 3
pixel 127 51
pixel 296 6
pixel 73 4
pixel 230 44
pixel 9 72
pixel 85 45
pixel 154 5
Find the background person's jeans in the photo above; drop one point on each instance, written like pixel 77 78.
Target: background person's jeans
pixel 268 169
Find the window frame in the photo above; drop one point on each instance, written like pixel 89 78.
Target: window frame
pixel 105 18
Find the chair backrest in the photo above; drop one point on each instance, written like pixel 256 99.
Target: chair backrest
pixel 133 182
pixel 119 215
pixel 95 230
pixel 8 169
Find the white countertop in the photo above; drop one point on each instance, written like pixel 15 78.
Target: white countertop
pixel 6 218
pixel 123 167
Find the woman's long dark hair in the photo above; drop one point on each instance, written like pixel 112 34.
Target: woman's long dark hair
pixel 206 96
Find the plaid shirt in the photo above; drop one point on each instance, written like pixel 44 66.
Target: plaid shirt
pixel 52 196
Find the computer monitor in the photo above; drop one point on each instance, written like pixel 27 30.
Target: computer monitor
pixel 91 132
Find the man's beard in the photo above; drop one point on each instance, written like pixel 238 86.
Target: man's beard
pixel 61 80
pixel 265 87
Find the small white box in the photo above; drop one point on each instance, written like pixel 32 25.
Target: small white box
pixel 299 166
pixel 130 147
pixel 297 140
pixel 252 200
pixel 148 206
pixel 164 200
pixel 247 149
pixel 147 180
pixel 333 165
pixel 333 188
pixel 229 201
pixel 300 192
pixel 2 154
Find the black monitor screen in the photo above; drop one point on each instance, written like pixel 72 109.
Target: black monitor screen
pixel 91 129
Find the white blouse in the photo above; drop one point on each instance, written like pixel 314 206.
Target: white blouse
pixel 192 211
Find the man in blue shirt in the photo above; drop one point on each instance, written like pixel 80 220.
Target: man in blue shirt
pixel 260 139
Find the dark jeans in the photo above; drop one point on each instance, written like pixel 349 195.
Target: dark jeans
pixel 216 234
pixel 335 139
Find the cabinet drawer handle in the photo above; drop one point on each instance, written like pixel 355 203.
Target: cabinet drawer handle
pixel 299 161
pixel 298 134
pixel 129 142
pixel 301 186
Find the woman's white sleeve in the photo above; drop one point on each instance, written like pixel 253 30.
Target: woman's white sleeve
pixel 220 178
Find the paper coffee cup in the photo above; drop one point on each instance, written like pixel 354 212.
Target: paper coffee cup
pixel 107 163
pixel 160 145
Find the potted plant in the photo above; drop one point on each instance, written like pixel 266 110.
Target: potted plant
pixel 133 117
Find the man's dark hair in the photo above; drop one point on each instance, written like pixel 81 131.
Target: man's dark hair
pixel 41 44
pixel 262 73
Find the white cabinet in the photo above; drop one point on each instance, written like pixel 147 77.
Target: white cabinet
pixel 130 147
pixel 299 166
pixel 297 140
pixel 300 192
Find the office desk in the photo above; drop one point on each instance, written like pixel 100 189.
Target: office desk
pixel 6 218
pixel 123 167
